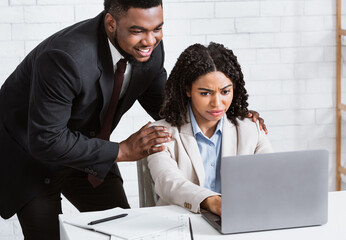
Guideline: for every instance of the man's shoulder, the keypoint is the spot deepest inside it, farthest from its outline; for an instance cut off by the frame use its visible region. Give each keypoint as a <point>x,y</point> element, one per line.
<point>79,41</point>
<point>77,37</point>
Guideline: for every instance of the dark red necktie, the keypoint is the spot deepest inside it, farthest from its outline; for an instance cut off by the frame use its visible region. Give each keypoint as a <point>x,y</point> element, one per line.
<point>106,128</point>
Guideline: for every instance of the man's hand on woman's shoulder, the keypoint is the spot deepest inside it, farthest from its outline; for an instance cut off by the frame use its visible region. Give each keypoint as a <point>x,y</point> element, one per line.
<point>255,116</point>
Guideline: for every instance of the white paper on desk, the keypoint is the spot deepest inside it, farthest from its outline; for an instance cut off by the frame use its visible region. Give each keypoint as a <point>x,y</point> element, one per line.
<point>179,233</point>
<point>134,225</point>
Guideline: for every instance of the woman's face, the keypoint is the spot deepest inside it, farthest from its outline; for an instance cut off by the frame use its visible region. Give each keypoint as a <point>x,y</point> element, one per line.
<point>211,95</point>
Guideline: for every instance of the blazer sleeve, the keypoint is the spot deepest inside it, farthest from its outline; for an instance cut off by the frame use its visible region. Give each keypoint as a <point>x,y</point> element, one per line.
<point>175,185</point>
<point>151,100</point>
<point>56,82</point>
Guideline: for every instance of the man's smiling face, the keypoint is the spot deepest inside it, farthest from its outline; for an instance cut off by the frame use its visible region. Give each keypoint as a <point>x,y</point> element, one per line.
<point>139,32</point>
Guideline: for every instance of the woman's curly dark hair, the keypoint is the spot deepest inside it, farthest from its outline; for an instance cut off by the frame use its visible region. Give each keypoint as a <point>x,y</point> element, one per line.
<point>195,61</point>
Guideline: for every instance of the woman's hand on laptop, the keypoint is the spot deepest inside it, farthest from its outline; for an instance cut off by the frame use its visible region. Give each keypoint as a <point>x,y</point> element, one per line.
<point>212,204</point>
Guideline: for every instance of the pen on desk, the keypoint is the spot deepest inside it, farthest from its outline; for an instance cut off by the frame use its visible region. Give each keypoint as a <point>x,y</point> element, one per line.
<point>191,233</point>
<point>107,219</point>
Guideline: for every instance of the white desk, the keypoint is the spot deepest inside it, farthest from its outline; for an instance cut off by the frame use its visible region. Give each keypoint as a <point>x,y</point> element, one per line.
<point>335,229</point>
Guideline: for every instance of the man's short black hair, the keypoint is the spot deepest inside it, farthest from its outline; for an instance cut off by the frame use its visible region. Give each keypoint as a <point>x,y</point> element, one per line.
<point>118,8</point>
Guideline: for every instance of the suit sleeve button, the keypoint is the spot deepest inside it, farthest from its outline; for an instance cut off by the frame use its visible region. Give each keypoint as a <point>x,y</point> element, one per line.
<point>46,181</point>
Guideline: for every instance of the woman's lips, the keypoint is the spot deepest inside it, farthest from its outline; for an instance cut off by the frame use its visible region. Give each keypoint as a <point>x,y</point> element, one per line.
<point>216,113</point>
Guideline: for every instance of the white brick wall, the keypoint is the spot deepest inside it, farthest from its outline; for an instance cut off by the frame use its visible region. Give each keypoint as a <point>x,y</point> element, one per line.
<point>236,9</point>
<point>48,14</point>
<point>286,49</point>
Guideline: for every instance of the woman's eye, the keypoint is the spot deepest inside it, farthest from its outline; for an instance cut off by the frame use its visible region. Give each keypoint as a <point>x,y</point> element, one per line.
<point>205,93</point>
<point>225,92</point>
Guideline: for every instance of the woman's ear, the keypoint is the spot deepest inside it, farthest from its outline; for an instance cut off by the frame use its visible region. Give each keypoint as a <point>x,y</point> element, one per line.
<point>188,92</point>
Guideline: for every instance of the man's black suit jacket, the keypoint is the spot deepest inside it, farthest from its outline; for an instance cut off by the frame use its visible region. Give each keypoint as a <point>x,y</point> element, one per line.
<point>52,107</point>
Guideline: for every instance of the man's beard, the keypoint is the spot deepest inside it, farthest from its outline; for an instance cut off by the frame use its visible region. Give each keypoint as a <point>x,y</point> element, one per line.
<point>128,56</point>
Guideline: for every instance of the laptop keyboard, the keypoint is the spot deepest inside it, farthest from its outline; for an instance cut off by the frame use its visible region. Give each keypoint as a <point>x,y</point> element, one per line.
<point>211,217</point>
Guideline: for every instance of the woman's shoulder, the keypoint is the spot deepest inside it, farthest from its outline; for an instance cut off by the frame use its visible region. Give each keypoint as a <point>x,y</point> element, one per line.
<point>247,123</point>
<point>161,122</point>
<point>166,124</point>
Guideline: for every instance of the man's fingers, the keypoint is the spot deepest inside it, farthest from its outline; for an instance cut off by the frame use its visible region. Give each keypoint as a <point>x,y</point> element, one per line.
<point>151,138</point>
<point>149,130</point>
<point>255,116</point>
<point>158,140</point>
<point>156,149</point>
<point>261,123</point>
<point>145,130</point>
<point>145,126</point>
<point>158,134</point>
<point>143,143</point>
<point>265,128</point>
<point>154,143</point>
<point>154,135</point>
<point>147,152</point>
<point>262,126</point>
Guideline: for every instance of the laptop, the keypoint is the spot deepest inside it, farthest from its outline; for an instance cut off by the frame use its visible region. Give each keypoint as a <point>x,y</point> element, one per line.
<point>272,191</point>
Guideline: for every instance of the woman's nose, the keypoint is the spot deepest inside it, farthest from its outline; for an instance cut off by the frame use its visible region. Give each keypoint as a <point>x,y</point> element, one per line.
<point>216,100</point>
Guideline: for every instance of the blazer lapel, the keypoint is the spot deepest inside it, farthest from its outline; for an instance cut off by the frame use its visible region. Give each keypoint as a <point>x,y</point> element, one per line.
<point>228,147</point>
<point>191,147</point>
<point>105,65</point>
<point>229,144</point>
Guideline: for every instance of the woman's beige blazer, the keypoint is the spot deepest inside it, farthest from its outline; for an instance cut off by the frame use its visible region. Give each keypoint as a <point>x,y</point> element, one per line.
<point>178,172</point>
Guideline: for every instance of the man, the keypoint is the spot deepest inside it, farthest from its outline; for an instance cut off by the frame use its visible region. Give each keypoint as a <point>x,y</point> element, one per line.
<point>56,118</point>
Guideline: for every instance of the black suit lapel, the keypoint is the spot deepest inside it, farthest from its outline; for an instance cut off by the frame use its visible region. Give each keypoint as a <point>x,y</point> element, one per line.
<point>105,65</point>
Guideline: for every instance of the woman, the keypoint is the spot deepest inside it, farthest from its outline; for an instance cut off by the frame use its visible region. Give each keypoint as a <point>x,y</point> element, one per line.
<point>204,109</point>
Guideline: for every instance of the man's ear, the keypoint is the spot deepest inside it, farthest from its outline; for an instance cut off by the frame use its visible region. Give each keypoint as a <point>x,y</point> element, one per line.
<point>110,23</point>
